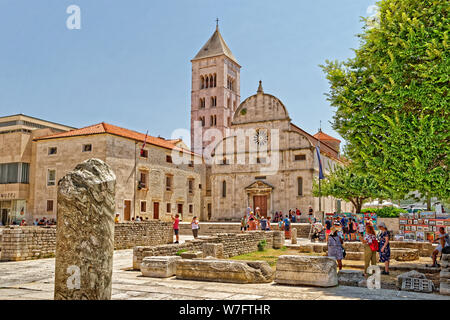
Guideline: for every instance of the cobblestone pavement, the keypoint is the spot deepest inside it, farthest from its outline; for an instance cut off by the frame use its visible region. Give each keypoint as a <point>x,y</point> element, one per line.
<point>34,280</point>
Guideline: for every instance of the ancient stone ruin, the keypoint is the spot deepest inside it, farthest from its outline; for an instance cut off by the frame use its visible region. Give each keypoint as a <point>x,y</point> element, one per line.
<point>85,233</point>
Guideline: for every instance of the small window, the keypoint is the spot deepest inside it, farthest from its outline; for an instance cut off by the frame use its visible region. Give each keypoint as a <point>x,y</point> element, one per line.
<point>168,183</point>
<point>142,180</point>
<point>191,208</point>
<point>52,150</point>
<point>200,186</point>
<point>299,157</point>
<point>169,159</point>
<point>49,205</point>
<point>224,189</point>
<point>260,160</point>
<point>143,206</point>
<point>144,153</point>
<point>191,185</point>
<point>169,209</point>
<point>224,161</point>
<point>51,177</point>
<point>87,147</point>
<point>300,186</point>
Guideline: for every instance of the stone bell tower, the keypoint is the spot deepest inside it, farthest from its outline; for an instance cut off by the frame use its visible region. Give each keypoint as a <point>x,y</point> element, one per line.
<point>215,91</point>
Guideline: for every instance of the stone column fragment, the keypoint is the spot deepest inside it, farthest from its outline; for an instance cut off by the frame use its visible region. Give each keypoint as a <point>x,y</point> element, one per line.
<point>294,236</point>
<point>85,232</point>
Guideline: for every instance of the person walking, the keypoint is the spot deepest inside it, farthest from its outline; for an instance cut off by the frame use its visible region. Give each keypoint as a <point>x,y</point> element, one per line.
<point>335,248</point>
<point>176,227</point>
<point>263,223</point>
<point>385,249</point>
<point>370,248</point>
<point>195,227</point>
<point>287,227</point>
<point>310,214</point>
<point>244,222</point>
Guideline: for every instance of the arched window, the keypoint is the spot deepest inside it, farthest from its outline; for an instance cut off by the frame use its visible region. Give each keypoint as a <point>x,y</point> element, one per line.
<point>224,189</point>
<point>202,82</point>
<point>300,186</point>
<point>215,80</point>
<point>202,119</point>
<point>229,102</point>
<point>206,81</point>
<point>211,81</point>
<point>211,121</point>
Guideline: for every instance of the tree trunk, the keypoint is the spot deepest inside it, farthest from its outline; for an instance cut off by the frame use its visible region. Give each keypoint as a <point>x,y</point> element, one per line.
<point>428,202</point>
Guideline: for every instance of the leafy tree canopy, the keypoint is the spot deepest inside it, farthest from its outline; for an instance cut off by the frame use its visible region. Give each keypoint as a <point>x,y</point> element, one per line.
<point>392,99</point>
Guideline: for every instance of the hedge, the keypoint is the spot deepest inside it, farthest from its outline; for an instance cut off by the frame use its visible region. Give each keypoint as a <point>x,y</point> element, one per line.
<point>385,212</point>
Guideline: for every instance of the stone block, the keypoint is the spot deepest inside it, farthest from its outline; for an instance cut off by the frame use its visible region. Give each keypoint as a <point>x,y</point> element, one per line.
<point>444,288</point>
<point>278,239</point>
<point>192,255</point>
<point>214,250</point>
<point>306,248</point>
<point>159,266</point>
<point>405,254</point>
<point>354,255</point>
<point>234,271</point>
<point>306,270</point>
<point>409,274</point>
<point>350,277</point>
<point>445,257</point>
<point>319,247</point>
<point>294,236</point>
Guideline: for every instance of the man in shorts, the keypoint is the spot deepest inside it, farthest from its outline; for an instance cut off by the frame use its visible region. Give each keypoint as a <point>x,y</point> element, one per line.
<point>444,246</point>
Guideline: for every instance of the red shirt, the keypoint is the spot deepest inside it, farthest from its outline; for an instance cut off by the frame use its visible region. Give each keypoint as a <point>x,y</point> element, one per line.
<point>176,223</point>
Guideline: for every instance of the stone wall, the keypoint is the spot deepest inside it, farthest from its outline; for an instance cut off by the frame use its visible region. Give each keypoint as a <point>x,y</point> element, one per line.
<point>212,228</point>
<point>25,243</point>
<point>131,234</point>
<point>234,244</point>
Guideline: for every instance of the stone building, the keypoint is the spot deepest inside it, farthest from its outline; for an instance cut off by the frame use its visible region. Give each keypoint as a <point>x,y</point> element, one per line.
<point>151,182</point>
<point>16,162</point>
<point>232,186</point>
<point>268,162</point>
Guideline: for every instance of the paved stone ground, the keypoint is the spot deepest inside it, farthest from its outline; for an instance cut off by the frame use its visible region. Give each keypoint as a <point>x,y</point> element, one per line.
<point>34,280</point>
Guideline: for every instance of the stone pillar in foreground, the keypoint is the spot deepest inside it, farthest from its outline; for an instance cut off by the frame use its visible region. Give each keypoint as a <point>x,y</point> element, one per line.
<point>294,236</point>
<point>278,239</point>
<point>85,232</point>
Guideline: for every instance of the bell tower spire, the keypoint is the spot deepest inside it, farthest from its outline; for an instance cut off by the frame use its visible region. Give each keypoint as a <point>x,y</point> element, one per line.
<point>215,91</point>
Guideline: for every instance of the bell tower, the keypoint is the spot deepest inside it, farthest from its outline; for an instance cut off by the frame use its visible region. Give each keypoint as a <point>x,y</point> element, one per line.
<point>215,91</point>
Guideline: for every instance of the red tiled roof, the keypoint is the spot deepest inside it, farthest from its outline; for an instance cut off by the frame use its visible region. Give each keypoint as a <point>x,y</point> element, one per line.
<point>323,136</point>
<point>324,147</point>
<point>118,131</point>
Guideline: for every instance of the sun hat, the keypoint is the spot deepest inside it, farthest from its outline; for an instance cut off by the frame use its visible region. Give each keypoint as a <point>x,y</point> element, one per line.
<point>382,224</point>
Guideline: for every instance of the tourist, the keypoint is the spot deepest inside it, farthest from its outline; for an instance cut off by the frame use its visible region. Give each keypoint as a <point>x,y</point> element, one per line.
<point>370,247</point>
<point>244,223</point>
<point>361,228</point>
<point>385,249</point>
<point>263,223</point>
<point>257,213</point>
<point>287,226</point>
<point>293,218</point>
<point>195,226</point>
<point>268,224</point>
<point>344,223</point>
<point>351,229</point>
<point>317,232</point>
<point>23,222</point>
<point>310,214</point>
<point>252,222</point>
<point>298,213</point>
<point>116,219</point>
<point>328,228</point>
<point>146,218</point>
<point>443,246</point>
<point>36,222</point>
<point>138,219</point>
<point>176,227</point>
<point>335,248</point>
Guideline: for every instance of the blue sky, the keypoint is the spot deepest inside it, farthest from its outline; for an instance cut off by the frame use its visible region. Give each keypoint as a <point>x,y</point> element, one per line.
<point>129,65</point>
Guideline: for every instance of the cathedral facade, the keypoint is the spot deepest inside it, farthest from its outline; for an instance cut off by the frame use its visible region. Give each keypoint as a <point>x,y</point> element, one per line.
<point>257,156</point>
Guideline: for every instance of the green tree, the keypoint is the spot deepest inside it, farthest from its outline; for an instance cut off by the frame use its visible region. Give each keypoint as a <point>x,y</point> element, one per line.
<point>392,99</point>
<point>350,184</point>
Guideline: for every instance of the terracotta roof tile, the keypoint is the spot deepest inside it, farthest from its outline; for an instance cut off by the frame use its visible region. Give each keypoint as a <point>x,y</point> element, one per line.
<point>118,131</point>
<point>323,136</point>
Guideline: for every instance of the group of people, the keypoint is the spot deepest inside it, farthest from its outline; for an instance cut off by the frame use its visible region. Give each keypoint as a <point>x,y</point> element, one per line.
<point>293,215</point>
<point>255,221</point>
<point>42,222</point>
<point>351,228</point>
<point>373,243</point>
